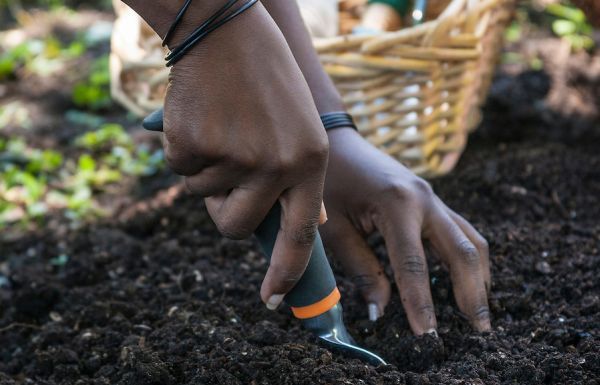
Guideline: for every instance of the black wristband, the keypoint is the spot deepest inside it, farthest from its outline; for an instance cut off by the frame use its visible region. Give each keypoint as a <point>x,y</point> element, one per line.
<point>208,26</point>
<point>338,119</point>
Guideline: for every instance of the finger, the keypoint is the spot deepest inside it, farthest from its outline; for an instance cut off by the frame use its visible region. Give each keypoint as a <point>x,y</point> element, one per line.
<point>181,158</point>
<point>479,242</point>
<point>359,263</point>
<point>214,180</point>
<point>465,268</point>
<point>239,213</point>
<point>401,232</point>
<point>300,211</point>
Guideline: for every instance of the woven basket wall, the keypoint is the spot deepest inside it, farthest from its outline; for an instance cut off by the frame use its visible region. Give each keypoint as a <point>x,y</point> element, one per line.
<point>415,93</point>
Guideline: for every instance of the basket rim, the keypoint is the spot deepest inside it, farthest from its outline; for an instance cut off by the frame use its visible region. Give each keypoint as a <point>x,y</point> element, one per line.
<point>370,44</point>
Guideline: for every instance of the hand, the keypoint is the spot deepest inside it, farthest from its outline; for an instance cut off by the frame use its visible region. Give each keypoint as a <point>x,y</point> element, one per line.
<point>241,126</point>
<point>366,190</point>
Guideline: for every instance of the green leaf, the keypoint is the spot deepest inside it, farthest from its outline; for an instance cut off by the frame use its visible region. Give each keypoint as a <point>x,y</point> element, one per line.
<point>564,27</point>
<point>94,93</point>
<point>108,134</point>
<point>7,67</point>
<point>51,160</point>
<point>75,49</point>
<point>573,14</point>
<point>513,32</point>
<point>34,187</point>
<point>80,199</point>
<point>86,163</point>
<point>536,64</point>
<point>52,49</point>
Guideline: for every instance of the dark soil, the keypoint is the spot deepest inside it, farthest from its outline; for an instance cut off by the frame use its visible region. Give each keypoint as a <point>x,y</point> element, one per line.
<point>160,298</point>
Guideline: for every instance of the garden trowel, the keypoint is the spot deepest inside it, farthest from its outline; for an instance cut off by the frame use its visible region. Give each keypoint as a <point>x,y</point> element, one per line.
<point>315,299</point>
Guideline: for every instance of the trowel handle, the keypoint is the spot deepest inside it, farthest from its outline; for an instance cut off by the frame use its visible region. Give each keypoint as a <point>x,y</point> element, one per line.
<point>316,291</point>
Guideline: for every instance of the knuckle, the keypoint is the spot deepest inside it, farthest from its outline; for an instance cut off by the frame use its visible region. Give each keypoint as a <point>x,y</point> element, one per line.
<point>481,313</point>
<point>248,163</point>
<point>415,190</point>
<point>421,187</point>
<point>285,275</point>
<point>398,191</point>
<point>468,253</point>
<point>365,281</point>
<point>304,234</point>
<point>313,158</point>
<point>191,186</point>
<point>232,229</point>
<point>281,167</point>
<point>320,151</point>
<point>196,186</point>
<point>426,309</point>
<point>413,264</point>
<point>482,245</point>
<point>178,162</point>
<point>202,149</point>
<point>188,138</point>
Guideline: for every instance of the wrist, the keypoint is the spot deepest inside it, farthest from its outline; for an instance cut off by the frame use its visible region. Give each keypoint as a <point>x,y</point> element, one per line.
<point>162,13</point>
<point>342,135</point>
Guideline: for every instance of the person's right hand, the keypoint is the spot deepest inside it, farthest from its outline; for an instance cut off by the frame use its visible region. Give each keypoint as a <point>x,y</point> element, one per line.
<point>241,125</point>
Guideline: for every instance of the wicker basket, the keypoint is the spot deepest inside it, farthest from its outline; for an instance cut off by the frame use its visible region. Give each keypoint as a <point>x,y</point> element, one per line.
<point>415,93</point>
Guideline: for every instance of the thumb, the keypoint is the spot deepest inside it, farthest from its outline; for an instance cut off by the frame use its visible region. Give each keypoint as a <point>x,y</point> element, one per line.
<point>359,263</point>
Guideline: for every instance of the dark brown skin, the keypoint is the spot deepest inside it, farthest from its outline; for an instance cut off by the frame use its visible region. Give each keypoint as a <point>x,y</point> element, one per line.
<point>246,134</point>
<point>375,192</point>
<point>363,193</point>
<point>366,190</point>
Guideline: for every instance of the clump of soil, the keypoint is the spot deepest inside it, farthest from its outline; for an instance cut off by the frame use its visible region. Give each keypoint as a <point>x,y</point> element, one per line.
<point>161,298</point>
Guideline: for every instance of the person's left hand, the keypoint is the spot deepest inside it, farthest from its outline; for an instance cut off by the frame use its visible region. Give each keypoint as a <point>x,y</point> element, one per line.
<point>366,190</point>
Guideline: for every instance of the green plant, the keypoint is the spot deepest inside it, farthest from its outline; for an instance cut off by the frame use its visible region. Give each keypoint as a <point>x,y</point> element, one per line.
<point>54,4</point>
<point>571,24</point>
<point>94,92</point>
<point>42,57</point>
<point>35,181</point>
<point>120,151</point>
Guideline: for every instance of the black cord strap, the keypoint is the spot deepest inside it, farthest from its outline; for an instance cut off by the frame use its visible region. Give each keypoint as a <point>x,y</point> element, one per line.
<point>333,120</point>
<point>176,22</point>
<point>208,26</point>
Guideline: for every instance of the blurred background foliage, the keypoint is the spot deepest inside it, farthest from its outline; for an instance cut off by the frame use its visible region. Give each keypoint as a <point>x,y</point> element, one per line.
<point>563,18</point>
<point>54,54</point>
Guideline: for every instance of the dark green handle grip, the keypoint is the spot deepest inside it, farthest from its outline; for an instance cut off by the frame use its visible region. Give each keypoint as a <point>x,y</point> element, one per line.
<point>317,282</point>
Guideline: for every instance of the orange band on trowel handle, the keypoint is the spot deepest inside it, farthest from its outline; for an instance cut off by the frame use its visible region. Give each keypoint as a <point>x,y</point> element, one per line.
<point>318,308</point>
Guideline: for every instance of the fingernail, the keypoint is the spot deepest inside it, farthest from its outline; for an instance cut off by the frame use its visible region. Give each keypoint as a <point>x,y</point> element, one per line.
<point>274,301</point>
<point>374,312</point>
<point>323,215</point>
<point>432,332</point>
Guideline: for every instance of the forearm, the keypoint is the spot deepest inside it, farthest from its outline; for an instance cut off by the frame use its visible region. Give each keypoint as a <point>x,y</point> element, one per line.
<point>287,16</point>
<point>160,14</point>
